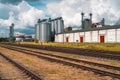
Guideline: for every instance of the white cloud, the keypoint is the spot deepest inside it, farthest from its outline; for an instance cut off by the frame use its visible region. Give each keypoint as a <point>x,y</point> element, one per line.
<point>22,15</point>
<point>30,17</point>
<point>105,9</point>
<point>71,10</point>
<point>19,33</point>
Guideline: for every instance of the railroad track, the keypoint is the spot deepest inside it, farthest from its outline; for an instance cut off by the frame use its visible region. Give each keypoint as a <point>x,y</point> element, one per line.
<point>70,59</point>
<point>88,53</point>
<point>29,73</point>
<point>70,63</point>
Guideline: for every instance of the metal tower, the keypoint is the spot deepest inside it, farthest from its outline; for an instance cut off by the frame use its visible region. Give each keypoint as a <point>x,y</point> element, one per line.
<point>11,34</point>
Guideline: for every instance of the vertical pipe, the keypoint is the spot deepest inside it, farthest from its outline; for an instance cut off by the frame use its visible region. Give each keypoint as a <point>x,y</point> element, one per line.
<point>90,18</point>
<point>103,21</point>
<point>82,14</point>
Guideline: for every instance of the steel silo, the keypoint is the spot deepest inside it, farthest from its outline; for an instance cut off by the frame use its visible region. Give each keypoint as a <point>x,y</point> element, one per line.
<point>56,25</point>
<point>38,31</point>
<point>52,30</point>
<point>53,25</point>
<point>45,31</point>
<point>60,25</point>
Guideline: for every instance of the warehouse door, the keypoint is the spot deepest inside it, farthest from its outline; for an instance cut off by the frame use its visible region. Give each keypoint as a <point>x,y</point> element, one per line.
<point>81,39</point>
<point>67,39</point>
<point>102,39</point>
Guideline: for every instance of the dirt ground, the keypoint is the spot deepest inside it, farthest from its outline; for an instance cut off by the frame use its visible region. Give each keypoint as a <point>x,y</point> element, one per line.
<point>10,72</point>
<point>50,70</point>
<point>102,61</point>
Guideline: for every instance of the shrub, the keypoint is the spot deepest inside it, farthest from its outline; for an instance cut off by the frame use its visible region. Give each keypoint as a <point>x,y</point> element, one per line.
<point>36,40</point>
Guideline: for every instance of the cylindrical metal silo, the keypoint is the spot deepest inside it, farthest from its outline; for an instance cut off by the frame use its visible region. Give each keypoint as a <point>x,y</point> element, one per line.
<point>45,31</point>
<point>38,31</point>
<point>52,25</point>
<point>47,28</point>
<point>52,30</point>
<point>56,26</point>
<point>60,25</point>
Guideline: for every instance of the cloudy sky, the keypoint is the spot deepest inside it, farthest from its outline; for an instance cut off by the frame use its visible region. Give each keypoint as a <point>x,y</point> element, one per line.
<point>24,13</point>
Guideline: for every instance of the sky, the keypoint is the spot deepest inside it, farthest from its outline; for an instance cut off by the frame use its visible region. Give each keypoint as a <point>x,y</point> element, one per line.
<point>25,13</point>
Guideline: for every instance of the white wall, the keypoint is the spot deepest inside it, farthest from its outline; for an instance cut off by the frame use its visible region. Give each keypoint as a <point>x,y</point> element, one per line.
<point>71,37</point>
<point>19,40</point>
<point>110,35</point>
<point>95,36</point>
<point>118,35</point>
<point>56,38</point>
<point>65,36</point>
<point>82,33</point>
<point>60,38</point>
<point>88,36</point>
<point>76,37</point>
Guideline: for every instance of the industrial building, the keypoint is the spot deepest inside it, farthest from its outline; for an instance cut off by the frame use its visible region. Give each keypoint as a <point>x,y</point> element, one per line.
<point>11,33</point>
<point>91,32</point>
<point>46,29</point>
<point>23,38</point>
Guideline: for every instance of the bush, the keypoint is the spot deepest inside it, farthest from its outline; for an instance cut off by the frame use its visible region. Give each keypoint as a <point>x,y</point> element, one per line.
<point>36,40</point>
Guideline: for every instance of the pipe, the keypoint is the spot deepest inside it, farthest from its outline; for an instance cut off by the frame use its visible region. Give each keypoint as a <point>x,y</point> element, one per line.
<point>82,14</point>
<point>90,17</point>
